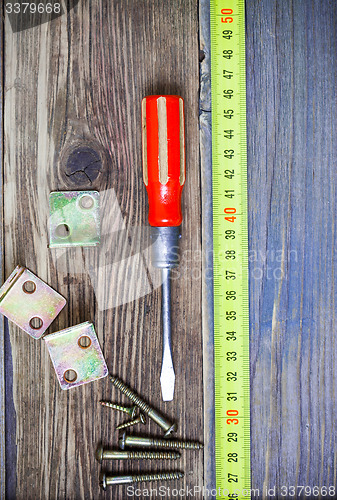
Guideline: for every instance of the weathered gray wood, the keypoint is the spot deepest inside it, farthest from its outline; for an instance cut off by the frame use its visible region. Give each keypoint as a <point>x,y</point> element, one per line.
<point>2,347</point>
<point>78,81</point>
<point>207,242</point>
<point>292,143</point>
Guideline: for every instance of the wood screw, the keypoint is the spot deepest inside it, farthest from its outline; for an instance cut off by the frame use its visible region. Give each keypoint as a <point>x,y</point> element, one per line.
<point>105,454</point>
<point>139,420</point>
<point>163,476</point>
<point>130,411</point>
<point>153,414</point>
<point>135,441</point>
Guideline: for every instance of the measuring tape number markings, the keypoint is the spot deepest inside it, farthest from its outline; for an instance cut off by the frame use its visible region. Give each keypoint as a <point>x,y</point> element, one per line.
<point>230,236</point>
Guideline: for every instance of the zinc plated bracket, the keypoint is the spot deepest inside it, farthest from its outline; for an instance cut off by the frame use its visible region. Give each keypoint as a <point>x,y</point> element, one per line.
<point>76,355</point>
<point>29,302</point>
<point>74,219</point>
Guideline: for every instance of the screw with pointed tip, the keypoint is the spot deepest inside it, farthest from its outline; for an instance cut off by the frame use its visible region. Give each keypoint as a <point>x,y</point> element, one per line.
<point>135,441</point>
<point>130,411</point>
<point>104,454</point>
<point>139,420</point>
<point>163,476</point>
<point>125,409</point>
<point>150,412</point>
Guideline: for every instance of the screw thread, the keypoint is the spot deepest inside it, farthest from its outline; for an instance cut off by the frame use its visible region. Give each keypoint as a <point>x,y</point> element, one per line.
<point>155,477</point>
<point>114,406</point>
<point>165,443</point>
<point>153,455</point>
<point>128,424</point>
<point>130,394</point>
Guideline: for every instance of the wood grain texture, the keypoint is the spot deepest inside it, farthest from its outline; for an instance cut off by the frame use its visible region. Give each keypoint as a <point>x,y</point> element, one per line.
<point>292,143</point>
<point>205,126</point>
<point>291,125</point>
<point>2,325</point>
<point>78,81</point>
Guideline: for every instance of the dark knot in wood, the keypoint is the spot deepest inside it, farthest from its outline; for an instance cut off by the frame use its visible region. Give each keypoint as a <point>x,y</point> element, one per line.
<point>83,166</point>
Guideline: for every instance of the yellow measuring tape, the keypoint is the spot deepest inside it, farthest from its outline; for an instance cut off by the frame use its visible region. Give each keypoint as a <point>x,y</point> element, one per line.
<point>230,233</point>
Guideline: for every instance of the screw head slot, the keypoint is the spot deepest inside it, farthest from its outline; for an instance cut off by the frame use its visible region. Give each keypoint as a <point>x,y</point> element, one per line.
<point>99,454</point>
<point>29,287</point>
<point>122,440</point>
<point>102,481</point>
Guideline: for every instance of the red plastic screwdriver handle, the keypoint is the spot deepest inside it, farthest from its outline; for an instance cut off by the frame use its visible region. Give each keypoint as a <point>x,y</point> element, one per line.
<point>163,157</point>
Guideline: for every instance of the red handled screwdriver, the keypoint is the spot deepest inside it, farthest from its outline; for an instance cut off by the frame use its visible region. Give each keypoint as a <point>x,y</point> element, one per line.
<point>163,139</point>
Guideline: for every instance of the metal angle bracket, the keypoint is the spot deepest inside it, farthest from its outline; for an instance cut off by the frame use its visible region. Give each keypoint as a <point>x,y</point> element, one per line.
<point>74,219</point>
<point>76,355</point>
<point>29,302</point>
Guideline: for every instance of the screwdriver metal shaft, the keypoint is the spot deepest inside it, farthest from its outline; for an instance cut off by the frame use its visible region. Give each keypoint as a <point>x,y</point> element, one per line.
<point>165,257</point>
<point>167,376</point>
<point>164,177</point>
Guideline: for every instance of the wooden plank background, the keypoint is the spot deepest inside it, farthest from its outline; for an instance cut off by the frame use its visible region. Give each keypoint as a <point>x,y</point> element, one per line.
<point>77,82</point>
<point>292,144</point>
<point>2,340</point>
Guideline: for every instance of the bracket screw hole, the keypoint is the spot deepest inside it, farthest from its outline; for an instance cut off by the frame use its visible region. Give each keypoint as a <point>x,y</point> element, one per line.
<point>84,342</point>
<point>29,287</point>
<point>86,202</point>
<point>36,323</point>
<point>70,376</point>
<point>62,231</point>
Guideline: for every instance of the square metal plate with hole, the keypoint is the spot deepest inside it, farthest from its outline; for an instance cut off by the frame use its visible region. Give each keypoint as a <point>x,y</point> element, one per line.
<point>29,302</point>
<point>74,219</point>
<point>76,355</point>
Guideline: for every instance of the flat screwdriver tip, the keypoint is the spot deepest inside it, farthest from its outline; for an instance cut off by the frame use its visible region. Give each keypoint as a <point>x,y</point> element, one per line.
<point>167,380</point>
<point>167,377</point>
